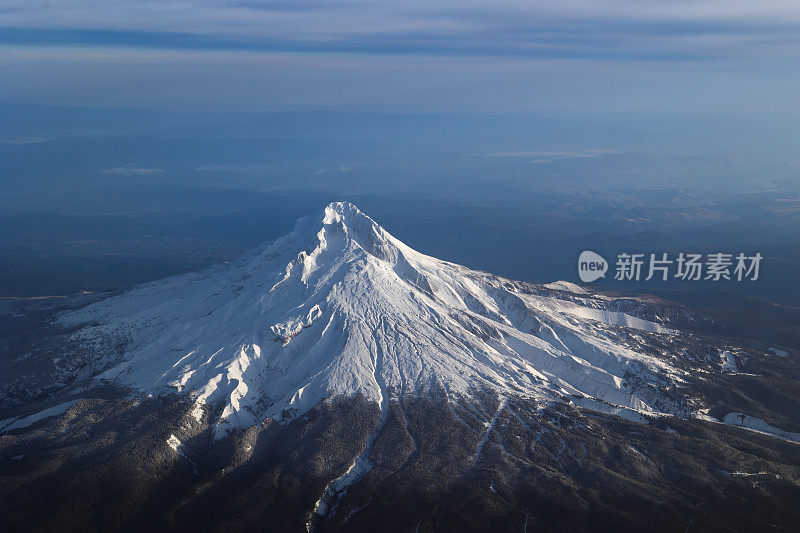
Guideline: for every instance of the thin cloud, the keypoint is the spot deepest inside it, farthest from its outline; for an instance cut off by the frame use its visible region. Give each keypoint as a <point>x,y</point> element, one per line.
<point>548,156</point>
<point>433,55</point>
<point>596,29</point>
<point>132,171</point>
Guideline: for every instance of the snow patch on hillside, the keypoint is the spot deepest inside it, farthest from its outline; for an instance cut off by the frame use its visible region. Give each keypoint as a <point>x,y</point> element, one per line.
<point>728,362</point>
<point>10,424</point>
<point>757,425</point>
<point>779,353</point>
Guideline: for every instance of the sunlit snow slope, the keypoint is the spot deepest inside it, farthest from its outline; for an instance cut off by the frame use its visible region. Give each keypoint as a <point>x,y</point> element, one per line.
<point>340,307</point>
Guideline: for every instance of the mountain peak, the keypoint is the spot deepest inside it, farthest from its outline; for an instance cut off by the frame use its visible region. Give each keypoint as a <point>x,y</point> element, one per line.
<point>341,232</point>
<point>336,212</point>
<point>362,229</point>
<point>340,307</point>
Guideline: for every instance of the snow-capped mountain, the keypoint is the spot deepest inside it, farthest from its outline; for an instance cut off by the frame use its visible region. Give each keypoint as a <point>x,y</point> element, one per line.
<point>339,307</point>
<point>336,379</point>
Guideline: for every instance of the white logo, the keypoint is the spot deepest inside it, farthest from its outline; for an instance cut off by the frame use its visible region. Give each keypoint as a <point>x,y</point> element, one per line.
<point>591,266</point>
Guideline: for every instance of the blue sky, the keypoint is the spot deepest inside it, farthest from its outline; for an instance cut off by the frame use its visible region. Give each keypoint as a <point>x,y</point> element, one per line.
<point>508,56</point>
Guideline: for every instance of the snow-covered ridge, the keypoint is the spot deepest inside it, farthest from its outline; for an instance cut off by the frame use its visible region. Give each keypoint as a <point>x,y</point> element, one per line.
<point>340,307</point>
